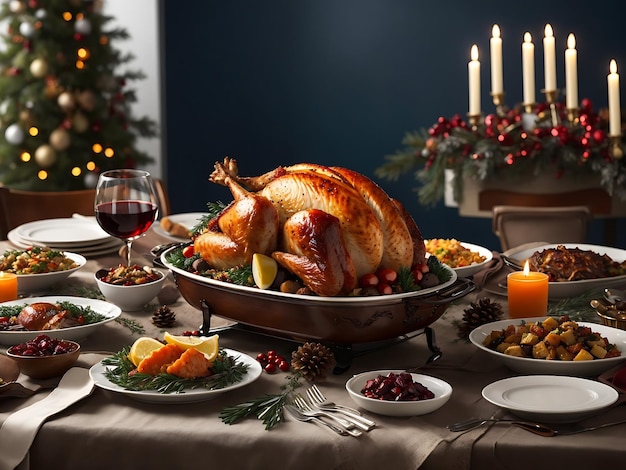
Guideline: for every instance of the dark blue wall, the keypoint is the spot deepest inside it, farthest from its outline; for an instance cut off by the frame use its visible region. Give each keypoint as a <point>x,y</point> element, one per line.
<point>340,82</point>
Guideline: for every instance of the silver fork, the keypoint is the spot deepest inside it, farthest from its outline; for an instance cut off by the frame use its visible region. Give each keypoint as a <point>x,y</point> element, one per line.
<point>297,414</point>
<point>306,409</point>
<point>319,400</point>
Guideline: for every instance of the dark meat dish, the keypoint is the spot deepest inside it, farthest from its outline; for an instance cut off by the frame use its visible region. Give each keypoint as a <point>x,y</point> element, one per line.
<point>573,264</point>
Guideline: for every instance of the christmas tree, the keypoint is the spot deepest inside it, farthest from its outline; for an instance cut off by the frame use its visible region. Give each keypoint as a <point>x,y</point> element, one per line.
<point>65,106</point>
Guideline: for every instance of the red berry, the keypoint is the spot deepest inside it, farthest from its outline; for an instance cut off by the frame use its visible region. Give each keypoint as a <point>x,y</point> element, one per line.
<point>270,368</point>
<point>278,359</point>
<point>188,251</point>
<point>384,288</point>
<point>387,275</point>
<point>369,280</point>
<point>284,366</point>
<point>262,358</point>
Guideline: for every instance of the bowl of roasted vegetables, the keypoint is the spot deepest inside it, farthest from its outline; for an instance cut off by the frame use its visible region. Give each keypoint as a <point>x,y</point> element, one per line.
<point>552,345</point>
<point>39,268</point>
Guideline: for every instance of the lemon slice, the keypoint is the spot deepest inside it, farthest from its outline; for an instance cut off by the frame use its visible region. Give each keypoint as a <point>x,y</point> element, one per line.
<point>264,270</point>
<point>142,348</point>
<point>207,345</point>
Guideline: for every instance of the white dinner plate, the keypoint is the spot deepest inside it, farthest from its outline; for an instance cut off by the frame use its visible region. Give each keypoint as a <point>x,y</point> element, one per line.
<point>74,333</point>
<point>188,220</point>
<point>548,398</point>
<point>565,289</point>
<point>67,231</point>
<point>188,396</point>
<point>103,247</point>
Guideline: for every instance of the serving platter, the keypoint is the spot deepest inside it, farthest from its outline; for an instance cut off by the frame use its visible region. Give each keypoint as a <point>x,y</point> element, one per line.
<point>549,398</point>
<point>74,333</point>
<point>525,365</point>
<point>97,374</point>
<point>334,319</point>
<point>566,289</point>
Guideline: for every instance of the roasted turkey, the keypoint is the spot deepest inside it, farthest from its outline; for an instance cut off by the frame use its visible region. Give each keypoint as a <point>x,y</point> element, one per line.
<point>327,225</point>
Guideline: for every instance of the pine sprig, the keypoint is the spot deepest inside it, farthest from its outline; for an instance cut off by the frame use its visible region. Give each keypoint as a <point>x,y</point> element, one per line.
<point>226,371</point>
<point>267,408</point>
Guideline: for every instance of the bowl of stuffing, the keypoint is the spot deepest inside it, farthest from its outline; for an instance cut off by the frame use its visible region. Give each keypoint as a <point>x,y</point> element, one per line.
<point>398,393</point>
<point>465,258</point>
<point>130,288</point>
<point>44,357</point>
<point>40,268</point>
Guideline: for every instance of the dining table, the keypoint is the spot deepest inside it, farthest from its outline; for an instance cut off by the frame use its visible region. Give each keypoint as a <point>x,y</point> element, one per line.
<point>107,429</point>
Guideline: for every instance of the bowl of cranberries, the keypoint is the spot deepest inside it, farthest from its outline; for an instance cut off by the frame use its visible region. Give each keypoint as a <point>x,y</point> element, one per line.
<point>43,357</point>
<point>398,393</point>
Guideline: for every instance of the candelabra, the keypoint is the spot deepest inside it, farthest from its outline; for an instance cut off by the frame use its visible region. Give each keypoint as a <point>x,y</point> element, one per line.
<point>551,97</point>
<point>474,120</point>
<point>616,147</point>
<point>498,101</point>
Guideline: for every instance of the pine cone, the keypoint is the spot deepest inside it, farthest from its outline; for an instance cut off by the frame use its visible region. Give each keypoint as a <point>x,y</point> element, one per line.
<point>479,313</point>
<point>164,317</point>
<point>312,360</point>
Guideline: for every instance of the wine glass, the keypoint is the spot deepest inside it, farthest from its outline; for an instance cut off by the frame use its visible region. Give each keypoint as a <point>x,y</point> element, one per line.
<point>126,204</point>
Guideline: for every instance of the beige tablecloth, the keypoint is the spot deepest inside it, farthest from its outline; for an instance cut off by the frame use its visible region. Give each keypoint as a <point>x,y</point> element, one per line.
<point>110,430</point>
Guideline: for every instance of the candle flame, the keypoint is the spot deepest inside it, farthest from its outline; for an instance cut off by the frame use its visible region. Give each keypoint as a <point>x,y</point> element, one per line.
<point>571,41</point>
<point>474,52</point>
<point>495,31</point>
<point>528,37</point>
<point>526,268</point>
<point>613,66</point>
<point>548,31</point>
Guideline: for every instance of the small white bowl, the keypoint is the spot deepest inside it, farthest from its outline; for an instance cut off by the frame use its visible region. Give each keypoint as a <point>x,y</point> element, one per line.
<point>442,391</point>
<point>131,298</point>
<point>467,271</point>
<point>32,283</point>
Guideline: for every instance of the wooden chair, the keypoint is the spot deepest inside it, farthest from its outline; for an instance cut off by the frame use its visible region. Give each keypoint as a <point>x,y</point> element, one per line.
<point>19,207</point>
<point>516,225</point>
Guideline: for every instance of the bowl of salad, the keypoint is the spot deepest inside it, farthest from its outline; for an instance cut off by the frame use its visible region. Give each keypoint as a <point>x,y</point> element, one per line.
<point>40,268</point>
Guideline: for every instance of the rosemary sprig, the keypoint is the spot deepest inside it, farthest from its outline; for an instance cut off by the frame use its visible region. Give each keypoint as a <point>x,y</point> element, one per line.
<point>133,325</point>
<point>268,408</point>
<point>226,371</point>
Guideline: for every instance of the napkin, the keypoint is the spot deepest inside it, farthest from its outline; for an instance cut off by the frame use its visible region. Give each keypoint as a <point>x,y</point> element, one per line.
<point>490,269</point>
<point>19,430</point>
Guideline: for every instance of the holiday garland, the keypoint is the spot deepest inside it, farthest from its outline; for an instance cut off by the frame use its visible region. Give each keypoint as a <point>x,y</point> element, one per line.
<point>515,145</point>
<point>65,111</point>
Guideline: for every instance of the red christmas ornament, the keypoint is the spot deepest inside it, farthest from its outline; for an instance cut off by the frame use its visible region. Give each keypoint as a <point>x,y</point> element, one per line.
<point>96,126</point>
<point>14,71</point>
<point>599,135</point>
<point>79,37</point>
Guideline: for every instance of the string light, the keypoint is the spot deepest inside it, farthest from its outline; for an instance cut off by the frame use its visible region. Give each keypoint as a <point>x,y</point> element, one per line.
<point>25,157</point>
<point>80,65</point>
<point>109,153</point>
<point>42,174</point>
<point>33,131</point>
<point>67,16</point>
<point>76,171</point>
<point>82,53</point>
<point>97,148</point>
<point>91,166</point>
<point>104,40</point>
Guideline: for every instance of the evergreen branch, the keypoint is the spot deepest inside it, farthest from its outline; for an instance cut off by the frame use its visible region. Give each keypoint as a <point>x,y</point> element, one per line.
<point>268,408</point>
<point>132,325</point>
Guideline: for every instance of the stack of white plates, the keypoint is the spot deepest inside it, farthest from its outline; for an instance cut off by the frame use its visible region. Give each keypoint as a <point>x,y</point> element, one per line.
<point>78,235</point>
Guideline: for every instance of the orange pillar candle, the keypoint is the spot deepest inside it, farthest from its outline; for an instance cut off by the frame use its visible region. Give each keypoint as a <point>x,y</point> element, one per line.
<point>527,293</point>
<point>8,286</point>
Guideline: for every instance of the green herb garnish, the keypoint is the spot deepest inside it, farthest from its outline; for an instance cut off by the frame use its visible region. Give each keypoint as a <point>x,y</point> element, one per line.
<point>268,408</point>
<point>226,371</point>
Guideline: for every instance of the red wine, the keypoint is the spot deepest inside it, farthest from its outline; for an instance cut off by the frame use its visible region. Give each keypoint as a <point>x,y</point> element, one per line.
<point>126,219</point>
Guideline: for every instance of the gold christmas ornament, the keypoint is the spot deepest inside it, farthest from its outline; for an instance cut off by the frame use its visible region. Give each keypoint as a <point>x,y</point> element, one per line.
<point>59,139</point>
<point>86,99</point>
<point>45,156</point>
<point>66,101</point>
<point>39,68</point>
<point>80,123</point>
<point>17,6</point>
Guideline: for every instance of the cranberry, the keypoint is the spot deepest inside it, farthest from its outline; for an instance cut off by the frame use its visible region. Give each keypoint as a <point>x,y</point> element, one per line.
<point>270,368</point>
<point>284,366</point>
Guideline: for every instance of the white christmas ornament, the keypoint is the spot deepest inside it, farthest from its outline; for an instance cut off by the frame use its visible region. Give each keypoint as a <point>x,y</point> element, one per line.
<point>40,14</point>
<point>16,6</point>
<point>82,26</point>
<point>39,68</point>
<point>91,179</point>
<point>14,134</point>
<point>27,29</point>
<point>66,101</point>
